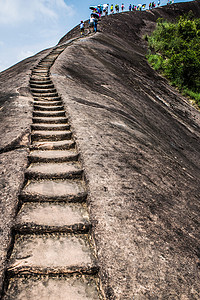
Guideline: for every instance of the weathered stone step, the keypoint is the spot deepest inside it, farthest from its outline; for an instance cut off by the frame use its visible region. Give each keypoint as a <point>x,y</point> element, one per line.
<point>46,94</point>
<point>53,145</point>
<point>48,59</point>
<point>50,254</point>
<point>41,82</point>
<point>50,135</point>
<point>48,108</point>
<point>40,70</point>
<point>45,99</point>
<point>42,86</point>
<point>48,120</point>
<point>38,77</point>
<point>57,51</point>
<point>52,217</point>
<point>53,156</point>
<point>67,170</point>
<point>48,103</point>
<point>41,90</point>
<point>54,190</point>
<point>44,75</point>
<point>71,287</point>
<point>50,127</point>
<point>60,113</point>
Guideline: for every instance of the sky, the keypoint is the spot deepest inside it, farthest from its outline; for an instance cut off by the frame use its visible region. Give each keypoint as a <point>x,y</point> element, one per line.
<point>30,26</point>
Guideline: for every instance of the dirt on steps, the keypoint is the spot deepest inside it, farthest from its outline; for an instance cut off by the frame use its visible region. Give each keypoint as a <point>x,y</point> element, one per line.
<point>139,140</point>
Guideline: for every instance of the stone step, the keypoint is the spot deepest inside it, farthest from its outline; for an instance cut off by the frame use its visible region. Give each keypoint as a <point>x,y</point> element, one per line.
<point>48,103</point>
<point>41,85</point>
<point>64,170</point>
<point>54,190</point>
<point>53,145</point>
<point>47,60</point>
<point>52,217</point>
<point>40,71</point>
<point>60,113</point>
<point>50,57</point>
<point>44,75</point>
<point>48,120</point>
<point>49,135</point>
<point>47,94</point>
<point>71,287</point>
<point>52,254</point>
<point>53,156</point>
<point>38,77</point>
<point>53,99</point>
<point>41,90</point>
<point>41,82</point>
<point>48,108</point>
<point>50,127</point>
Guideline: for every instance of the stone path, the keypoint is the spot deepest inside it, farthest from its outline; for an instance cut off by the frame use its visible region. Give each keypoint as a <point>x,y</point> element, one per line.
<point>53,254</point>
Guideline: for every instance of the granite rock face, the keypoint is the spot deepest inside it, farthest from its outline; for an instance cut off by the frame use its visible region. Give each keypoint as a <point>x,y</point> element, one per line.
<point>139,142</point>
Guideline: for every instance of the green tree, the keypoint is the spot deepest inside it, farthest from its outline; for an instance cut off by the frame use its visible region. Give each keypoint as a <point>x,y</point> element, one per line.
<point>174,50</point>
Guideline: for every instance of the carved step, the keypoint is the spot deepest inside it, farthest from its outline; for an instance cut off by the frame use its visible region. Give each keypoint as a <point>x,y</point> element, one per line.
<point>47,103</point>
<point>46,98</point>
<point>54,171</point>
<point>46,94</point>
<point>41,81</point>
<point>50,127</point>
<point>53,288</point>
<point>48,120</point>
<point>53,156</point>
<point>52,217</point>
<point>52,254</point>
<point>54,190</point>
<point>48,108</point>
<point>42,85</point>
<point>53,145</point>
<point>41,90</point>
<point>49,113</point>
<point>50,135</point>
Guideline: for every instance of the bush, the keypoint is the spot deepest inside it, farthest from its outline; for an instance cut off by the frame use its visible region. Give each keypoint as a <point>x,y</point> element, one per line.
<point>175,51</point>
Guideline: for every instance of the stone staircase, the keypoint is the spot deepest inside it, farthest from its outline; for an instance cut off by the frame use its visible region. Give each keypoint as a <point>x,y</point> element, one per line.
<point>53,253</point>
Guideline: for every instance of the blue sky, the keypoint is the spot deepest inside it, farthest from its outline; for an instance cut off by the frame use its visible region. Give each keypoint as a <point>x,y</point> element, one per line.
<point>29,26</point>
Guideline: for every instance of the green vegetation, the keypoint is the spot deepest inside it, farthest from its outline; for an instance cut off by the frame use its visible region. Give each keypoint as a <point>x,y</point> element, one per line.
<point>175,51</point>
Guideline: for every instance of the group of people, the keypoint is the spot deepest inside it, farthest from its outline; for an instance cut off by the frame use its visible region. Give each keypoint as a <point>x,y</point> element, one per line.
<point>99,10</point>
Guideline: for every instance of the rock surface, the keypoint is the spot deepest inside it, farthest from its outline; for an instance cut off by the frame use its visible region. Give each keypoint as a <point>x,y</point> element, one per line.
<point>139,141</point>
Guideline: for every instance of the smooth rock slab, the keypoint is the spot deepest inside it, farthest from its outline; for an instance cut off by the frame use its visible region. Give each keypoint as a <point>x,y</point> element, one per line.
<point>54,190</point>
<point>52,217</point>
<point>52,254</point>
<point>45,288</point>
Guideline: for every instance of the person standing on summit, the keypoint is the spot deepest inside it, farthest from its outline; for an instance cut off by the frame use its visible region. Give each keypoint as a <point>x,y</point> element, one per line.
<point>82,28</point>
<point>105,9</point>
<point>122,7</point>
<point>117,8</point>
<point>95,24</point>
<point>112,9</point>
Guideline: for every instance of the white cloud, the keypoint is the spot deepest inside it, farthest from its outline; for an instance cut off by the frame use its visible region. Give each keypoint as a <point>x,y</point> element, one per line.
<point>14,12</point>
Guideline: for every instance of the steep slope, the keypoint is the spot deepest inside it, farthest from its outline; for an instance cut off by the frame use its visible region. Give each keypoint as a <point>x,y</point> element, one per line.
<point>139,141</point>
